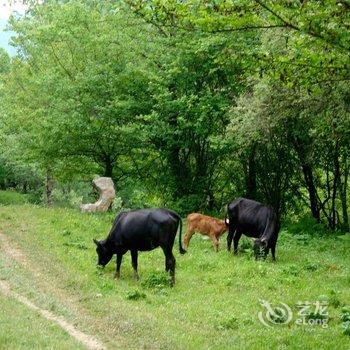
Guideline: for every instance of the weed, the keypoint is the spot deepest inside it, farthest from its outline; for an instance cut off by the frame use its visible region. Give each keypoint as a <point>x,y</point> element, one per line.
<point>157,280</point>
<point>311,266</point>
<point>345,314</point>
<point>229,323</point>
<point>66,232</point>
<point>77,245</point>
<point>346,328</point>
<point>292,270</point>
<point>278,315</point>
<point>334,299</point>
<point>245,244</point>
<point>303,239</point>
<point>135,295</point>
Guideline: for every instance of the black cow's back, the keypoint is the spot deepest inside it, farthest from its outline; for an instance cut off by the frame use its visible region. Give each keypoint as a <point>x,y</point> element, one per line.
<point>145,229</point>
<point>251,217</point>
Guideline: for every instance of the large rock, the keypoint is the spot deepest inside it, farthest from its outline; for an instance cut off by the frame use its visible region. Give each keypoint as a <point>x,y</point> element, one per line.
<point>105,186</point>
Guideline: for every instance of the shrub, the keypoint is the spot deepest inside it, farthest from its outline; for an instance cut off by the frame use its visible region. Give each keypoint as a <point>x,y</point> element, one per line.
<point>307,225</point>
<point>117,205</point>
<point>11,197</point>
<point>68,199</point>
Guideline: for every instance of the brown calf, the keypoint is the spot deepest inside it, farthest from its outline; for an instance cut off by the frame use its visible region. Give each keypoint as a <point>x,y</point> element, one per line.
<point>207,226</point>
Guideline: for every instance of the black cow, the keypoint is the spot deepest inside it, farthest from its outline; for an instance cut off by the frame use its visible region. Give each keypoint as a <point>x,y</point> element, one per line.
<point>254,220</point>
<point>141,230</point>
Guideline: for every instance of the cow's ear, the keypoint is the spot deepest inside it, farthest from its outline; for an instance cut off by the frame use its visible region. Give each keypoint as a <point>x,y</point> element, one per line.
<point>96,241</point>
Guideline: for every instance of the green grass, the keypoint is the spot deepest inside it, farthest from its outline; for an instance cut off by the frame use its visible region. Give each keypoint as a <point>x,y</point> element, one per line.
<point>213,305</point>
<point>12,197</point>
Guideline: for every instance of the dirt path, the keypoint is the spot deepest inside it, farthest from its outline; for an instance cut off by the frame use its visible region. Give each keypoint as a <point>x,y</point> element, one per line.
<point>8,248</point>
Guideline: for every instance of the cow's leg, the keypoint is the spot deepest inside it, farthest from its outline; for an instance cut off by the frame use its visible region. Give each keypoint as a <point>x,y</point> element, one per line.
<point>273,248</point>
<point>188,237</point>
<point>229,238</point>
<point>236,238</point>
<point>119,262</point>
<point>215,242</point>
<point>170,263</point>
<point>134,263</point>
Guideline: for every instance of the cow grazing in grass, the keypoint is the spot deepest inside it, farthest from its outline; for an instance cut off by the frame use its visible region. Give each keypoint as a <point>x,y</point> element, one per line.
<point>255,220</point>
<point>141,230</point>
<point>206,225</point>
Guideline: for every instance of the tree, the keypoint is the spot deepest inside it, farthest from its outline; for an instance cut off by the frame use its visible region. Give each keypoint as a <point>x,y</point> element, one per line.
<point>190,115</point>
<point>315,33</point>
<point>4,61</point>
<point>77,87</point>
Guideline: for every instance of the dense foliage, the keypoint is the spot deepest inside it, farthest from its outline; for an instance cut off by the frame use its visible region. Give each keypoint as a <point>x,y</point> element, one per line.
<point>185,104</point>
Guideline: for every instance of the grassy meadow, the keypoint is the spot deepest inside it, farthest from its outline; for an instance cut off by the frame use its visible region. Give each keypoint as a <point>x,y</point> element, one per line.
<point>213,305</point>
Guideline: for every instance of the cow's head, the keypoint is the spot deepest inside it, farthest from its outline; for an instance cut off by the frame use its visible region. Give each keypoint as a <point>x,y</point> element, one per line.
<point>104,254</point>
<point>260,248</point>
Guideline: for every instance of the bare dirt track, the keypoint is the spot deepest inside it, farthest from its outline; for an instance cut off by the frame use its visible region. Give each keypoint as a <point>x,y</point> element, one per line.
<point>14,253</point>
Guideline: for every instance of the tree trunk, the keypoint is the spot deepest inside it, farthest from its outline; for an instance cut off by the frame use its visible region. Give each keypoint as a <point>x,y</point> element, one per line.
<point>49,187</point>
<point>309,181</point>
<point>179,173</point>
<point>25,187</point>
<point>108,167</point>
<point>210,201</point>
<point>335,186</point>
<point>343,197</point>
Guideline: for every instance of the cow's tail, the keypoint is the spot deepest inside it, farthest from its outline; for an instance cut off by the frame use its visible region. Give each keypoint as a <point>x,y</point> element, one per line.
<point>182,251</point>
<point>264,236</point>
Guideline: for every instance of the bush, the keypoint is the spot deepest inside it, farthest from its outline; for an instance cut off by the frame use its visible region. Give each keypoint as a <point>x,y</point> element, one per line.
<point>73,194</point>
<point>306,225</point>
<point>11,197</point>
<point>70,199</point>
<point>117,205</point>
